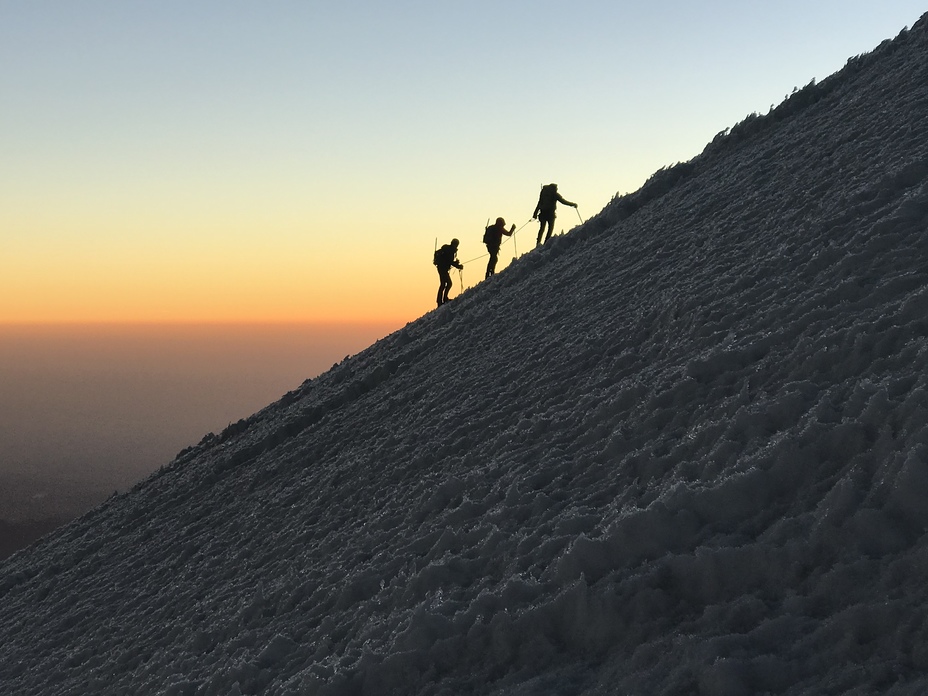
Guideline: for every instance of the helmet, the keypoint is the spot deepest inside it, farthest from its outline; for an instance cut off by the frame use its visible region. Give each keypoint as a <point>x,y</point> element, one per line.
<point>454,242</point>
<point>500,222</point>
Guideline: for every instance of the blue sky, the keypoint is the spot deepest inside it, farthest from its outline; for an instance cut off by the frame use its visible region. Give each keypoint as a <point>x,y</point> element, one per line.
<point>202,161</point>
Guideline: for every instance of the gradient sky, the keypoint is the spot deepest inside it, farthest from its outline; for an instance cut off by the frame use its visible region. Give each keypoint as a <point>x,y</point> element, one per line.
<point>224,160</point>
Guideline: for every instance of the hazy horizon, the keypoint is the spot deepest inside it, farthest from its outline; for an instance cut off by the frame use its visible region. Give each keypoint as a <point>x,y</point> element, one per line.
<point>86,409</point>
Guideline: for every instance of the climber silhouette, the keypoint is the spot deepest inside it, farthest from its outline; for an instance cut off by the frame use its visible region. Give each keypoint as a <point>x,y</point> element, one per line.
<point>544,211</point>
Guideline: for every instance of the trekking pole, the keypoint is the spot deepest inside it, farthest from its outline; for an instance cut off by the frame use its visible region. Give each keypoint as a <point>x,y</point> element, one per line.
<point>461,279</point>
<point>578,214</point>
<point>515,247</point>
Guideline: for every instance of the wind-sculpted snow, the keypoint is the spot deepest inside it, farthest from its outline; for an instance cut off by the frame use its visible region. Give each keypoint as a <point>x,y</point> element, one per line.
<point>680,450</point>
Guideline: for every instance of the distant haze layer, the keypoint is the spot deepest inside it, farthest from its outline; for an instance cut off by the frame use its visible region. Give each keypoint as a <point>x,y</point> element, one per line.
<point>88,409</point>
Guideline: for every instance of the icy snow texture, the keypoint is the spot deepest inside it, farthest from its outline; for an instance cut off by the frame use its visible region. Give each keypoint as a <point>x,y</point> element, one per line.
<point>680,450</point>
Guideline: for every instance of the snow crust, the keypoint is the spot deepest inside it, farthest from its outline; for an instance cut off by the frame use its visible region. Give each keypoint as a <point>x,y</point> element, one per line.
<point>682,449</point>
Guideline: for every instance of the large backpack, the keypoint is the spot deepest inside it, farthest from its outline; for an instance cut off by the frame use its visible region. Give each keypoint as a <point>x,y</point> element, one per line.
<point>444,255</point>
<point>547,199</point>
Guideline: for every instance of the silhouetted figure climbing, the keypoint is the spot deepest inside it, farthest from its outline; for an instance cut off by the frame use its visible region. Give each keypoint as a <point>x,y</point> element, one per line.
<point>446,256</point>
<point>493,238</point>
<point>544,211</point>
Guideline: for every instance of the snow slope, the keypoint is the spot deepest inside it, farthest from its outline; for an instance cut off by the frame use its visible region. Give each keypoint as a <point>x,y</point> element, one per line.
<point>683,449</point>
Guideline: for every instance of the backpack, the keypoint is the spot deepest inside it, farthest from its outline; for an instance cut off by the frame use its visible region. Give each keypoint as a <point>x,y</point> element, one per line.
<point>548,197</point>
<point>444,255</point>
<point>488,236</point>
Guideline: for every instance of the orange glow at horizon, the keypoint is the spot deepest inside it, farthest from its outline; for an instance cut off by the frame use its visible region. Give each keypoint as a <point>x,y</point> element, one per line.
<point>236,276</point>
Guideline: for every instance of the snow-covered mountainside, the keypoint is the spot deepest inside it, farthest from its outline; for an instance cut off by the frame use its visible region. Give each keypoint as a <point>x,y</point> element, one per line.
<point>682,449</point>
